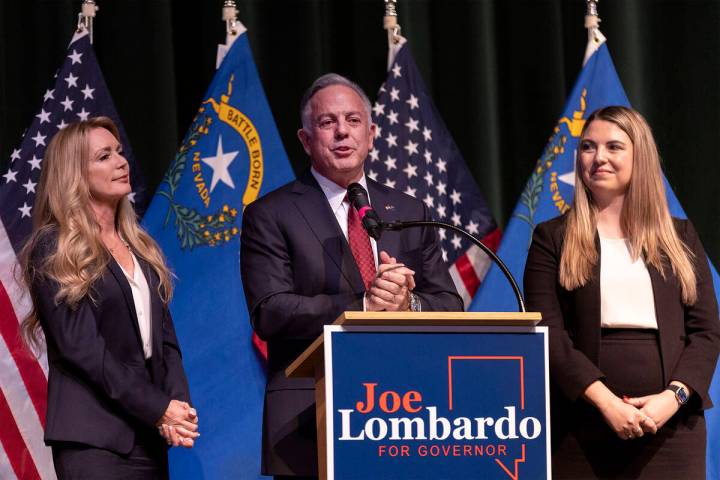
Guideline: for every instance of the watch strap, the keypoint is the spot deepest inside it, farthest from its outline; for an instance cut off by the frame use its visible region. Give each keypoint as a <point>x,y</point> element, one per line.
<point>680,393</point>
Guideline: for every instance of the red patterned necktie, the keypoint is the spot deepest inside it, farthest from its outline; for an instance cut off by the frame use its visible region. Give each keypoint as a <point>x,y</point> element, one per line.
<point>360,245</point>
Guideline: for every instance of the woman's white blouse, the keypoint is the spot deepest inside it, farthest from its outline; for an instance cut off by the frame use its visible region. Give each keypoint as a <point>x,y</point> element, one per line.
<point>626,296</point>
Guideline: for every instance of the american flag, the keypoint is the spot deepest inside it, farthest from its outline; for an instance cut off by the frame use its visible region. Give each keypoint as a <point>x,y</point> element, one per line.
<point>79,93</point>
<point>414,153</point>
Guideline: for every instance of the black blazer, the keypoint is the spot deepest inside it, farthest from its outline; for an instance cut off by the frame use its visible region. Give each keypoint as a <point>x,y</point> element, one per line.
<point>100,391</point>
<point>299,274</point>
<point>689,336</point>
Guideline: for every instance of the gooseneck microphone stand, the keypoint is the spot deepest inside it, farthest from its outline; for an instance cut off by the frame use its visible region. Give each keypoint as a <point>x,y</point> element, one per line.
<point>398,225</point>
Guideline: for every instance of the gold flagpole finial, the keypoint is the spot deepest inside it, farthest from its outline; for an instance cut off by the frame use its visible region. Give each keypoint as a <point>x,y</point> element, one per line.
<point>86,17</point>
<point>229,16</point>
<point>390,22</point>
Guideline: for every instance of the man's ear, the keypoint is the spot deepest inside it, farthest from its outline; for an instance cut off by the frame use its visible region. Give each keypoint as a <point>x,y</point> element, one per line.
<point>373,133</point>
<point>304,139</point>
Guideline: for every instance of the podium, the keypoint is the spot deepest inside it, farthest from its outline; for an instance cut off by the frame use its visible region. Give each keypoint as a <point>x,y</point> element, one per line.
<point>430,395</point>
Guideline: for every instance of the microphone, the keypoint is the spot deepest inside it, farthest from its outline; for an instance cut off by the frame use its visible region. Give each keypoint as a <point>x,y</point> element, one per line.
<point>358,198</point>
<point>371,222</point>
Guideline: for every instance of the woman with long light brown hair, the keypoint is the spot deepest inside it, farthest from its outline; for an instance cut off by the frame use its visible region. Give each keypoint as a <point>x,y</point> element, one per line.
<point>117,391</point>
<point>627,294</point>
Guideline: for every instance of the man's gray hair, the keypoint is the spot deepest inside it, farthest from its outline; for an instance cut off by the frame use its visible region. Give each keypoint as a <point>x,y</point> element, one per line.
<point>328,80</point>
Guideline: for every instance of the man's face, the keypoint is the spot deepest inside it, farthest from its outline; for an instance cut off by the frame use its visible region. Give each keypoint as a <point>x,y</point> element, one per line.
<point>340,134</point>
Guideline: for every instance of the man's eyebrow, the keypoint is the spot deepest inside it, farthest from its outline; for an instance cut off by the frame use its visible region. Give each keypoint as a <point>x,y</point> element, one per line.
<point>349,112</point>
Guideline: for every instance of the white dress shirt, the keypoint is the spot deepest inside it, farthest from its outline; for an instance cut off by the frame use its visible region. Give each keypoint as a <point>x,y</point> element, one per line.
<point>141,297</point>
<point>335,195</point>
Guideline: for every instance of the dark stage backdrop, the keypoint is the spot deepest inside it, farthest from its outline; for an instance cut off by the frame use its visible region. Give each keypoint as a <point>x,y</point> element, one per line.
<point>498,70</point>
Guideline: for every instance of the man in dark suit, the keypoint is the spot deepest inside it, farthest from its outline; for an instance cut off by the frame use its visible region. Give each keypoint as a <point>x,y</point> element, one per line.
<point>305,259</point>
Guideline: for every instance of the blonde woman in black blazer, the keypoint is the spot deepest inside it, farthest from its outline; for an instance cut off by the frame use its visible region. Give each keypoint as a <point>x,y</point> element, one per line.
<point>627,397</point>
<point>117,392</point>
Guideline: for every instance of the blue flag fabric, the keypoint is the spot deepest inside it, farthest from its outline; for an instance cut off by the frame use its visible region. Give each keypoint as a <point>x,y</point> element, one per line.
<point>231,155</point>
<point>415,153</point>
<point>549,192</point>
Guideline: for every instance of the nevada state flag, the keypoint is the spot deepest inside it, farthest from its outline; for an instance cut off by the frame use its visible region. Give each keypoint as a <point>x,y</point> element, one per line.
<point>231,155</point>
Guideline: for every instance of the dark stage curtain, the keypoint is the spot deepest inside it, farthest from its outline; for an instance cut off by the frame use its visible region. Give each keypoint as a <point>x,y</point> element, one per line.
<point>499,71</point>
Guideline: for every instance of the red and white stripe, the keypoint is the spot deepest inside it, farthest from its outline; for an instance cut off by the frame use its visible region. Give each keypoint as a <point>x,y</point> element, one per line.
<point>470,268</point>
<point>23,383</point>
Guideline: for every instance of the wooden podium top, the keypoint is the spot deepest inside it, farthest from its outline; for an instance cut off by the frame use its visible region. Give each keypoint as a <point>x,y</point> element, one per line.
<point>304,365</point>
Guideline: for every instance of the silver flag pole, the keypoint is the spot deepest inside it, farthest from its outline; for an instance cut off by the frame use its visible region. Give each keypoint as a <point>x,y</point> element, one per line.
<point>592,20</point>
<point>390,22</point>
<point>86,17</point>
<point>229,16</point>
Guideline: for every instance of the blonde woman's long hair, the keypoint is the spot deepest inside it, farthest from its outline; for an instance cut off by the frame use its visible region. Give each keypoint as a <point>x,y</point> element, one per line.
<point>645,218</point>
<point>63,213</point>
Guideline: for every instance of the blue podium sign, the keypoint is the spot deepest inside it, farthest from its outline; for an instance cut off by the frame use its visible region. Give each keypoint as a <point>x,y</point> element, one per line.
<point>436,402</point>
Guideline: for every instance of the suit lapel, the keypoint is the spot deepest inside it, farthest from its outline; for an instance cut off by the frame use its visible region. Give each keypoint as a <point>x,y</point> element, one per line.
<point>127,294</point>
<point>380,202</point>
<point>587,309</point>
<point>663,290</point>
<point>314,207</point>
<point>156,317</point>
<point>156,307</point>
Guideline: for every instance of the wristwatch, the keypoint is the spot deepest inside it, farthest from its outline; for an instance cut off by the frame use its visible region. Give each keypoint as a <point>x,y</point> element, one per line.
<point>415,303</point>
<point>681,394</point>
